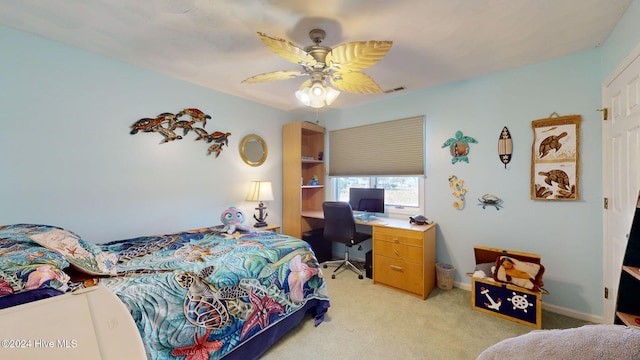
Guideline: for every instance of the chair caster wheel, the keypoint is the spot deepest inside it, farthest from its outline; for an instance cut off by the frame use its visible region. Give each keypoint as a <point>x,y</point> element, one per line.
<point>333,276</point>
<point>360,277</point>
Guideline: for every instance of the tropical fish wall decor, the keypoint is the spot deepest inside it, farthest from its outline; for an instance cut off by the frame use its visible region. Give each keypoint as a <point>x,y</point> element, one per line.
<point>505,146</point>
<point>459,147</point>
<point>167,124</point>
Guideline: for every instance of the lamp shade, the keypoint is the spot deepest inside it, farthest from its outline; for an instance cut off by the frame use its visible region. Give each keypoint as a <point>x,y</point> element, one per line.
<point>317,94</point>
<point>260,191</point>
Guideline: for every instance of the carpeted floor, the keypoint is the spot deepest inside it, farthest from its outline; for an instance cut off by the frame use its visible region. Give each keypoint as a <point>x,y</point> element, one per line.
<point>374,322</point>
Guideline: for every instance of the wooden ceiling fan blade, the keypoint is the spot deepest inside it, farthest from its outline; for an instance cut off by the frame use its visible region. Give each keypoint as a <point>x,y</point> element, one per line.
<point>274,76</point>
<point>287,50</point>
<point>355,82</point>
<point>357,55</point>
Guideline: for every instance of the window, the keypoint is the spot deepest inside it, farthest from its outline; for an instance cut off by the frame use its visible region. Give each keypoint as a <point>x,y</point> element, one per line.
<point>398,146</point>
<point>402,195</point>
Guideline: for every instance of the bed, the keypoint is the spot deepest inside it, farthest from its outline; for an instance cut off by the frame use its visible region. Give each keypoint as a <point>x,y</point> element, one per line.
<point>588,342</point>
<point>194,294</point>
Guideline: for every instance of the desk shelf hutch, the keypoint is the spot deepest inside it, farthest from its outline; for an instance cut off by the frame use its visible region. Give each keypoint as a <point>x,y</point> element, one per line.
<point>403,253</point>
<point>302,146</point>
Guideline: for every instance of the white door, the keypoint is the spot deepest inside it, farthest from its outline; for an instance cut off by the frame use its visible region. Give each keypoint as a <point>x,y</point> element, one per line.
<point>621,168</point>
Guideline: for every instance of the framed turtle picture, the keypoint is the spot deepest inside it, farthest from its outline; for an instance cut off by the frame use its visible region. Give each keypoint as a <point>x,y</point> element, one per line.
<point>555,163</point>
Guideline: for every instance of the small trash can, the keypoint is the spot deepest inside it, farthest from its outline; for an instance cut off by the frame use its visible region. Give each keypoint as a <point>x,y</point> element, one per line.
<point>444,276</point>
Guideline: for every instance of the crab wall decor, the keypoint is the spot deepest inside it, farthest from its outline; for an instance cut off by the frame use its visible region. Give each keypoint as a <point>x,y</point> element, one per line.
<point>490,200</point>
<point>555,158</point>
<point>167,124</point>
<point>459,147</point>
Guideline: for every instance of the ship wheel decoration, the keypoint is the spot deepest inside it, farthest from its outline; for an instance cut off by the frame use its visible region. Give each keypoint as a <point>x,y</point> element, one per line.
<point>459,147</point>
<point>520,302</point>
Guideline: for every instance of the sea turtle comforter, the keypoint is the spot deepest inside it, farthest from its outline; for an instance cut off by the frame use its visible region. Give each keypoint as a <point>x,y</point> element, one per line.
<point>198,294</point>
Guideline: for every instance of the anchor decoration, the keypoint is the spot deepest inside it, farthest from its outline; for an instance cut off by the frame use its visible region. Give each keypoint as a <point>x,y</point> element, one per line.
<point>495,305</point>
<point>520,302</point>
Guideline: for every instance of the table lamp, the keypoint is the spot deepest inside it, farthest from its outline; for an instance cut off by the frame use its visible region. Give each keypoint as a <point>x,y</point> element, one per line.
<point>260,191</point>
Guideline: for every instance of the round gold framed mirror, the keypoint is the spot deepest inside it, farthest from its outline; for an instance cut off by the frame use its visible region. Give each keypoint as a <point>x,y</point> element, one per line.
<point>253,150</point>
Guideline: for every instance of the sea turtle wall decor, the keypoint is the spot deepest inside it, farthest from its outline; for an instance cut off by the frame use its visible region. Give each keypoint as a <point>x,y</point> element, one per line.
<point>459,147</point>
<point>166,124</point>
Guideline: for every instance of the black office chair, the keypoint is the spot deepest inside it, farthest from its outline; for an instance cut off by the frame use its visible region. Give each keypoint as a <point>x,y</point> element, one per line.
<point>339,226</point>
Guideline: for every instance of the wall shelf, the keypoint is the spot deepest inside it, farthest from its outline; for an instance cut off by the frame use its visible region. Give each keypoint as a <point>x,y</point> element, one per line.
<point>628,319</point>
<point>633,271</point>
<point>628,301</point>
<point>302,144</point>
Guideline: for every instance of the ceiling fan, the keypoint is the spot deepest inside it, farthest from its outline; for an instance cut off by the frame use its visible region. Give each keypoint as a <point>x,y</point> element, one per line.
<point>340,65</point>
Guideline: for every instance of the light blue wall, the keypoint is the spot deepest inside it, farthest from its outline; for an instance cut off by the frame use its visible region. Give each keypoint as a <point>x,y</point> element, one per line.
<point>67,158</point>
<point>568,235</point>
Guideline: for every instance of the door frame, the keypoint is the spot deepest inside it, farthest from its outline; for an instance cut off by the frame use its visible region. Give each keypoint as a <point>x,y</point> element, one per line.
<point>610,271</point>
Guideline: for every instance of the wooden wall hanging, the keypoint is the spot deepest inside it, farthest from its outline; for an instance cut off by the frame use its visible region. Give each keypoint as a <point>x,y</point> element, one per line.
<point>555,158</point>
<point>505,146</point>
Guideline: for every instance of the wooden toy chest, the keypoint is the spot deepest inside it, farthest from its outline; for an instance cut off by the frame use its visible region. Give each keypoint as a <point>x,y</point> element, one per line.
<point>506,300</point>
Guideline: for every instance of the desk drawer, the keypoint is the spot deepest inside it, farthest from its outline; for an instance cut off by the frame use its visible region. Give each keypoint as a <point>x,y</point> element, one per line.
<point>398,251</point>
<point>401,236</point>
<point>399,274</point>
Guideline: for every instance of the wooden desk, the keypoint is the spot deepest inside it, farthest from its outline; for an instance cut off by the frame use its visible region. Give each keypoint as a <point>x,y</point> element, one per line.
<point>404,254</point>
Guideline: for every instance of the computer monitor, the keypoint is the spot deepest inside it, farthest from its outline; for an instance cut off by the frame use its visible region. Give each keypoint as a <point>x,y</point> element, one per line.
<point>367,199</point>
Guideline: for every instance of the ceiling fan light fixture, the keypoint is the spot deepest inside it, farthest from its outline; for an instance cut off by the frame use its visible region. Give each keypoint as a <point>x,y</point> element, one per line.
<point>317,95</point>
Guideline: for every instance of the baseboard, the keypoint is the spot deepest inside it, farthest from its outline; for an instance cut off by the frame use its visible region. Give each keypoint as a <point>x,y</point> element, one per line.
<point>552,308</point>
<point>572,313</point>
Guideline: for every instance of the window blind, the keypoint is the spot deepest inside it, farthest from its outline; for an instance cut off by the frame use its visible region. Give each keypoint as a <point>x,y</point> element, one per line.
<point>388,148</point>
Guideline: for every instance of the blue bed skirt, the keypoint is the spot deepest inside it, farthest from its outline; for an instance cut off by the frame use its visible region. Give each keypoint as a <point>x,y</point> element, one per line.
<point>27,296</point>
<point>255,347</point>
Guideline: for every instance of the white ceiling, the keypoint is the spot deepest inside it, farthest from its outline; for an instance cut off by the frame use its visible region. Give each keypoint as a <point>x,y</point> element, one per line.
<point>213,43</point>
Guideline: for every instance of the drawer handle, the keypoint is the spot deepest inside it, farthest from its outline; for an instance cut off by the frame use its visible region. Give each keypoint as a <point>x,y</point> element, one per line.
<point>394,267</point>
<point>396,252</point>
<point>395,240</point>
